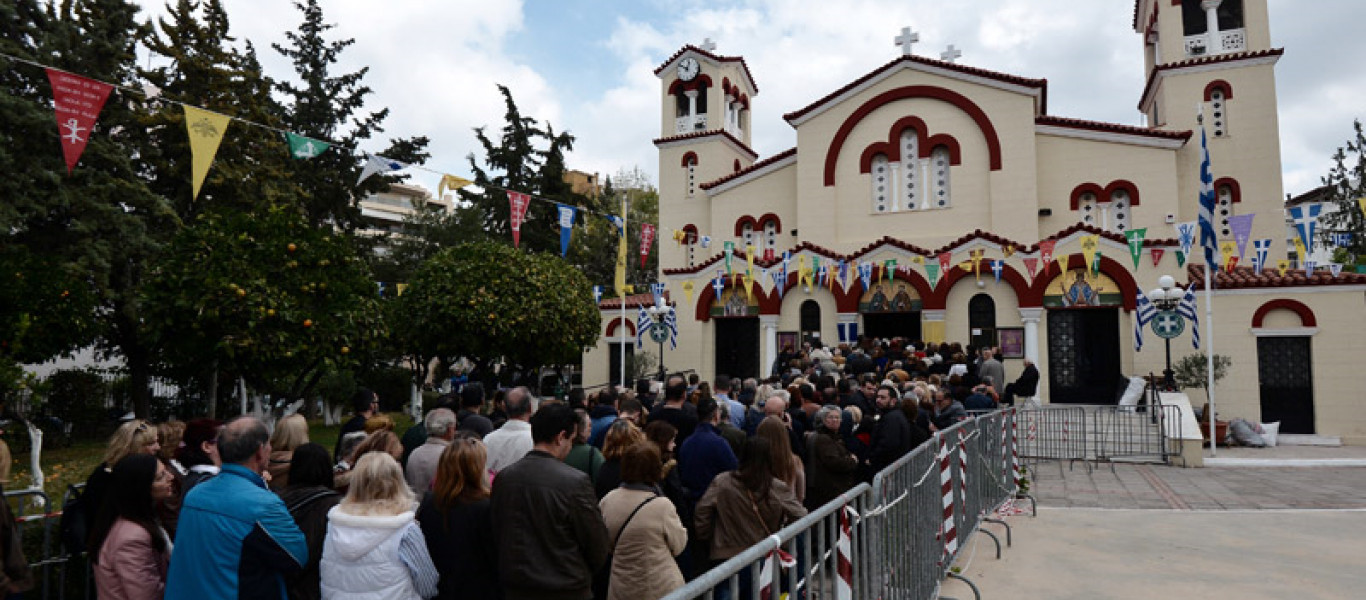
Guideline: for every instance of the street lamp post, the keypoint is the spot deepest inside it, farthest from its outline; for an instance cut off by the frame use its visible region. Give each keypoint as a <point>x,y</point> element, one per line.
<point>659,331</point>
<point>1167,324</point>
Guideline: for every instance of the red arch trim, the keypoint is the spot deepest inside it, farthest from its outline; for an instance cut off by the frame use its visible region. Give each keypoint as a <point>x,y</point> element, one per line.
<point>945,140</point>
<point>1233,187</point>
<point>689,156</point>
<point>679,85</point>
<point>777,221</point>
<point>908,92</point>
<point>1128,288</point>
<point>846,300</point>
<point>614,323</point>
<point>1079,191</point>
<point>1219,84</point>
<point>865,161</point>
<point>1306,315</point>
<point>690,231</point>
<point>1122,184</point>
<point>740,223</point>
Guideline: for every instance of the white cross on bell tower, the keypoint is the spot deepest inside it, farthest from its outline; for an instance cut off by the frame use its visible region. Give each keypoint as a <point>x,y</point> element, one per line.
<point>708,45</point>
<point>906,39</point>
<point>950,54</point>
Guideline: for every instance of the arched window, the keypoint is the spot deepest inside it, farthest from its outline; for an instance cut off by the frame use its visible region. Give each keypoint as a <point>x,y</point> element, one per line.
<point>910,169</point>
<point>1089,209</point>
<point>882,185</point>
<point>982,321</point>
<point>747,234</point>
<point>1218,104</point>
<point>811,320</point>
<point>770,239</point>
<point>690,243</point>
<point>1225,195</point>
<point>1118,213</point>
<point>939,173</point>
<point>690,163</point>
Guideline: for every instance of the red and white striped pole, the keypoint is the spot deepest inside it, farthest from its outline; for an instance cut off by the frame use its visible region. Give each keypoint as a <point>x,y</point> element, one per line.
<point>1015,447</point>
<point>950,534</point>
<point>844,583</point>
<point>963,470</point>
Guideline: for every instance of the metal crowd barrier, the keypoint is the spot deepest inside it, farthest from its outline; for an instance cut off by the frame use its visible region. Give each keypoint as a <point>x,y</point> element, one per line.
<point>53,566</point>
<point>904,532</point>
<point>1054,433</point>
<point>1129,432</point>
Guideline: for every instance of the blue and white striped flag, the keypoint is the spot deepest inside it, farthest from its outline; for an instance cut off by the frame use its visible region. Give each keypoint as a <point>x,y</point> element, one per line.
<point>1187,309</point>
<point>1306,220</point>
<point>597,294</point>
<point>643,324</point>
<point>1260,250</point>
<point>657,290</point>
<point>671,321</point>
<point>1207,201</point>
<point>1142,316</point>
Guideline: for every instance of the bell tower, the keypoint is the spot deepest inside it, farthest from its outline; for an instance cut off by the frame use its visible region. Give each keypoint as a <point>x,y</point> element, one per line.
<point>1214,59</point>
<point>704,134</point>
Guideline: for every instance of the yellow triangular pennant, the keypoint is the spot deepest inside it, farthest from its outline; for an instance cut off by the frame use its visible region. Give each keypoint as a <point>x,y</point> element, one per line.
<point>450,182</point>
<point>206,130</point>
<point>687,291</point>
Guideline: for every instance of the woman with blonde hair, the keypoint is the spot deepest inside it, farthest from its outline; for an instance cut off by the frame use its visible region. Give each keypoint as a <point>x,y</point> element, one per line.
<point>134,437</point>
<point>379,441</point>
<point>455,520</point>
<point>290,433</point>
<point>379,422</point>
<point>374,546</point>
<point>787,466</point>
<point>620,435</point>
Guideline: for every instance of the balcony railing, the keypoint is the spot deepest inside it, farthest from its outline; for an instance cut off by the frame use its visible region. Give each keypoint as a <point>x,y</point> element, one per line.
<point>1233,40</point>
<point>690,124</point>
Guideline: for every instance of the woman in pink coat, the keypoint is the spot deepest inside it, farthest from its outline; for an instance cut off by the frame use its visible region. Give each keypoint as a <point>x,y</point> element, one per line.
<point>134,549</point>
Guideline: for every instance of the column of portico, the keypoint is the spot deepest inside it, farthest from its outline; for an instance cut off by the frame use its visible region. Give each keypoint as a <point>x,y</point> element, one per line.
<point>1031,317</point>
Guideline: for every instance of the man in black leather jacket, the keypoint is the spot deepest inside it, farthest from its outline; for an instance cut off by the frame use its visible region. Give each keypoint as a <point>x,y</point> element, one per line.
<point>548,530</point>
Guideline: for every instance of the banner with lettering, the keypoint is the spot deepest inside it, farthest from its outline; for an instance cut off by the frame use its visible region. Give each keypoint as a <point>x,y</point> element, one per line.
<point>77,102</point>
<point>647,237</point>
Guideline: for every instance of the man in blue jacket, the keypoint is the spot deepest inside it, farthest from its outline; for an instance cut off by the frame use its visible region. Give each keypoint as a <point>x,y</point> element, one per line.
<point>235,538</point>
<point>705,454</point>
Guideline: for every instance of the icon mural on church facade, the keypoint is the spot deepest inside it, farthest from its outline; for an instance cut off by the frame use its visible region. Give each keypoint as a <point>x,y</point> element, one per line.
<point>734,303</point>
<point>889,296</point>
<point>1078,289</point>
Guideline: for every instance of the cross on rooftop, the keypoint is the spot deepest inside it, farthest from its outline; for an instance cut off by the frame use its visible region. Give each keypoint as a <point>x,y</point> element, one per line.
<point>708,45</point>
<point>950,54</point>
<point>905,40</point>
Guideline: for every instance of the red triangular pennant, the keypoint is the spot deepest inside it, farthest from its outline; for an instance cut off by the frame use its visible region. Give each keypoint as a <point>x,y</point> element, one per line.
<point>1032,265</point>
<point>944,258</point>
<point>518,203</point>
<point>1157,255</point>
<point>1232,262</point>
<point>77,102</point>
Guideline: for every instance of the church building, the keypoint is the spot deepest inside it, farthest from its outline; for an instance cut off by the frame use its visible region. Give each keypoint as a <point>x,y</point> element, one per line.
<point>935,201</point>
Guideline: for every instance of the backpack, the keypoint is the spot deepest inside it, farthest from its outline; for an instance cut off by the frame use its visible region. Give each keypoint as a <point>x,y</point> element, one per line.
<point>73,526</point>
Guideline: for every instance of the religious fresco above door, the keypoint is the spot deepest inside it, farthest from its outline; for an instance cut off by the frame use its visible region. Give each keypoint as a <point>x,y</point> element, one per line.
<point>734,303</point>
<point>1079,289</point>
<point>889,297</point>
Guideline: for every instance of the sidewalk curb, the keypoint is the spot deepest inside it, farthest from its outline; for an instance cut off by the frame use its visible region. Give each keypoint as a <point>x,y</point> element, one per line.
<point>1285,462</point>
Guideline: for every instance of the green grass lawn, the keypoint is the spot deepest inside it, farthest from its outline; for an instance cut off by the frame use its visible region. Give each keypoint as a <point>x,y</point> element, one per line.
<point>63,467</point>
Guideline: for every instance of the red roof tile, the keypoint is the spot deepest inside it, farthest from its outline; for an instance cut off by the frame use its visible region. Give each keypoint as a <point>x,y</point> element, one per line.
<point>1201,60</point>
<point>1245,278</point>
<point>1112,127</point>
<point>715,57</point>
<point>632,301</point>
<point>752,168</point>
<point>1014,79</point>
<point>708,133</point>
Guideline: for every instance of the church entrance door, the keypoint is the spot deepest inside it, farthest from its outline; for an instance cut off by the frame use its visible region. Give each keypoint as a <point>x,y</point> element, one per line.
<point>1286,379</point>
<point>737,346</point>
<point>892,324</point>
<point>1083,355</point>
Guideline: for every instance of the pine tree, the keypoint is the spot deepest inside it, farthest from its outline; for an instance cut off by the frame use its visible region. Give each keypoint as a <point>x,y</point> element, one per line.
<point>1345,184</point>
<point>328,106</point>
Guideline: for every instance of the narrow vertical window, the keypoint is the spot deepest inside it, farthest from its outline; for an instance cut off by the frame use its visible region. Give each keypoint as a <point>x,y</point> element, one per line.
<point>1117,214</point>
<point>910,169</point>
<point>770,239</point>
<point>881,184</point>
<point>747,234</point>
<point>1225,196</point>
<point>1089,211</point>
<point>939,171</point>
<point>692,177</point>
<point>1218,104</point>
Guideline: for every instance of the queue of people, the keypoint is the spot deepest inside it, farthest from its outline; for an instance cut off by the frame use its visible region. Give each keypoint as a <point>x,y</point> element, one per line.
<point>617,494</point>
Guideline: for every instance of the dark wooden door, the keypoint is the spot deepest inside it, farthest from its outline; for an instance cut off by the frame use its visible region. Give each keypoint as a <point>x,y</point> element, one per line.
<point>737,346</point>
<point>1083,355</point>
<point>892,324</point>
<point>1286,378</point>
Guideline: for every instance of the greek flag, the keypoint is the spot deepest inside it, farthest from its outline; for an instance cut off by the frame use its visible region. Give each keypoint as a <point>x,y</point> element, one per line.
<point>1207,239</point>
<point>643,324</point>
<point>1187,309</point>
<point>671,321</point>
<point>1306,219</point>
<point>1260,250</point>
<point>657,290</point>
<point>1145,313</point>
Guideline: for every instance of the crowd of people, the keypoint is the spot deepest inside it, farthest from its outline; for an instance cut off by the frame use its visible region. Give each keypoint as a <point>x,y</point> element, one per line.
<point>623,493</point>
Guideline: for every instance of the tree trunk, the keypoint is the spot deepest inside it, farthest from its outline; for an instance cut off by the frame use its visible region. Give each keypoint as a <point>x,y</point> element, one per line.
<point>139,378</point>
<point>213,390</point>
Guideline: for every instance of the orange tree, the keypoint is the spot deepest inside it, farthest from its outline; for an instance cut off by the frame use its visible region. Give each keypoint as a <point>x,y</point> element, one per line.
<point>265,296</point>
<point>491,303</point>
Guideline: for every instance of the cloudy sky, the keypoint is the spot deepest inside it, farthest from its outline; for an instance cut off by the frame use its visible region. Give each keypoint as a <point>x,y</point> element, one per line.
<point>586,66</point>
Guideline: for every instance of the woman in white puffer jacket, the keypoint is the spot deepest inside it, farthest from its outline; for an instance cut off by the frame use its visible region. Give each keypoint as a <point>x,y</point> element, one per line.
<point>374,546</point>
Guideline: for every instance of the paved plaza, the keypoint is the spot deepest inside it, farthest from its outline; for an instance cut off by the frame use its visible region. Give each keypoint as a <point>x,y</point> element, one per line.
<point>1153,531</point>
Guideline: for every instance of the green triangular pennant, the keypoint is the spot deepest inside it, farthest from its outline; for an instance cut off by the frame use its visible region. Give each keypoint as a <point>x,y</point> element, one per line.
<point>1135,239</point>
<point>933,271</point>
<point>304,147</point>
<point>1180,258</point>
